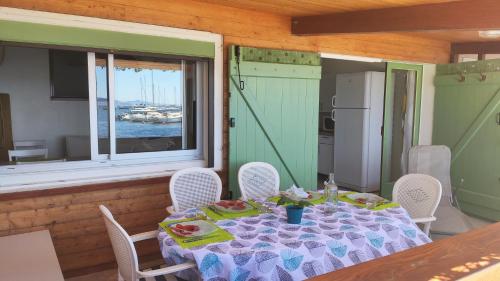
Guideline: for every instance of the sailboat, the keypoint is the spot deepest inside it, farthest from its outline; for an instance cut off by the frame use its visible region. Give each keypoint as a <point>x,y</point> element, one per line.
<point>151,113</point>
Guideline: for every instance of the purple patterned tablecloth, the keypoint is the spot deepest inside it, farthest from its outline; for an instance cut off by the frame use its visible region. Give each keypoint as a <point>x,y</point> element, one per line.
<point>267,248</point>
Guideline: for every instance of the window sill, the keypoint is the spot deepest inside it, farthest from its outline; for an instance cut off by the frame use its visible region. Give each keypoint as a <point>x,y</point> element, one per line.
<point>86,173</point>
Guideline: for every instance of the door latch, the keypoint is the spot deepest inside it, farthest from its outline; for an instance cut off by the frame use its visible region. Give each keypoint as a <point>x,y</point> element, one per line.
<point>232,122</point>
<point>498,118</point>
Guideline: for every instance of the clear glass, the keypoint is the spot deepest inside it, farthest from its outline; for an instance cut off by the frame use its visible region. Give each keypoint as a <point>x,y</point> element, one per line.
<point>331,196</point>
<point>101,77</point>
<point>46,128</point>
<point>155,104</point>
<point>404,83</point>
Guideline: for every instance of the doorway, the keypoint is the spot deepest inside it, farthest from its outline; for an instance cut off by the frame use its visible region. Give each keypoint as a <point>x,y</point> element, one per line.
<point>351,116</point>
<point>369,119</point>
<point>401,121</point>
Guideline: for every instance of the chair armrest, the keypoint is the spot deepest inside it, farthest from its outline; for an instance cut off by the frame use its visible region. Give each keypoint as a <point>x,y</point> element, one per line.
<point>424,220</point>
<point>144,236</point>
<point>166,270</point>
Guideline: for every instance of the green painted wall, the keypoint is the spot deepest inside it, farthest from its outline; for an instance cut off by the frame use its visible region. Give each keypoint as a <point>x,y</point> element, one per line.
<point>466,120</point>
<point>285,99</point>
<point>23,32</point>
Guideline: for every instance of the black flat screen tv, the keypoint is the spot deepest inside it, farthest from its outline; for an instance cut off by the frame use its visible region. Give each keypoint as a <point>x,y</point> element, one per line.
<point>68,75</point>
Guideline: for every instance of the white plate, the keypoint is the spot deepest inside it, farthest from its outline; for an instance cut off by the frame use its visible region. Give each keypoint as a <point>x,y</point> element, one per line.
<point>204,228</point>
<point>369,197</point>
<point>248,207</point>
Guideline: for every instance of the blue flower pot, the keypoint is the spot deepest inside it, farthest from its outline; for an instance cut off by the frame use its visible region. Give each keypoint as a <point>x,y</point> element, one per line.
<point>294,214</point>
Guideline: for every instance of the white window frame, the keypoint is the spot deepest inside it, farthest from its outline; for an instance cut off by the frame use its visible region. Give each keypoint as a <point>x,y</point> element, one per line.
<point>181,154</point>
<point>38,176</point>
<point>491,56</point>
<point>467,57</point>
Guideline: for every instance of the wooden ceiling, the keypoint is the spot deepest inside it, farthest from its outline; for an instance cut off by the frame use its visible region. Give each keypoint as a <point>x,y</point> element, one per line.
<point>294,8</point>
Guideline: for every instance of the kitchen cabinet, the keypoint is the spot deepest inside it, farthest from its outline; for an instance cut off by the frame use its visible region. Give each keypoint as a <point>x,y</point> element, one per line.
<point>325,154</point>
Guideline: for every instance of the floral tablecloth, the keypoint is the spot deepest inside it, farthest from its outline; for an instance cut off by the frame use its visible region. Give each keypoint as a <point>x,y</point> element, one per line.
<point>267,248</point>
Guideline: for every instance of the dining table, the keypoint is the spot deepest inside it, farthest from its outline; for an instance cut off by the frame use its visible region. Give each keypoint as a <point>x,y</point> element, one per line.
<point>263,246</point>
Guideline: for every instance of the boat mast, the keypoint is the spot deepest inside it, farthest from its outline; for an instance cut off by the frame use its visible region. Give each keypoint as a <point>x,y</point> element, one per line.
<point>159,92</point>
<point>142,87</point>
<point>152,87</point>
<point>164,96</point>
<point>175,95</point>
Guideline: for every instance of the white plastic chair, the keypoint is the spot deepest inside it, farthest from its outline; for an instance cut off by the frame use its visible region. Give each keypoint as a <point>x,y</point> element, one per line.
<point>126,255</point>
<point>28,149</point>
<point>194,187</point>
<point>19,154</point>
<point>420,195</point>
<point>29,144</point>
<point>435,160</point>
<point>258,180</point>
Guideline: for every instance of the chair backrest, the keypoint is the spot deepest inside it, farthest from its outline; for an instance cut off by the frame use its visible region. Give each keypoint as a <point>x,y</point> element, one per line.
<point>419,194</point>
<point>435,161</point>
<point>123,247</point>
<point>258,180</point>
<point>29,144</point>
<point>194,187</point>
<point>28,153</point>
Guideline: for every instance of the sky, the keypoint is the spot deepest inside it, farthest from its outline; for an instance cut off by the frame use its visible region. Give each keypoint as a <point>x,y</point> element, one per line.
<point>167,85</point>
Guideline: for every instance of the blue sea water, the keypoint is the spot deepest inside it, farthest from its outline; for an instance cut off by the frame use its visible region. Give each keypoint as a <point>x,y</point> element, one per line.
<point>127,129</point>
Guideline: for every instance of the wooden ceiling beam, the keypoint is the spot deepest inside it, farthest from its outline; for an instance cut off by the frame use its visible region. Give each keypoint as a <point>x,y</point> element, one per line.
<point>492,47</point>
<point>460,15</point>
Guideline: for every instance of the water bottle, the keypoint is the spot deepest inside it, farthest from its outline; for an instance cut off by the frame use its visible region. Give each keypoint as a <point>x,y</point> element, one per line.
<point>331,195</point>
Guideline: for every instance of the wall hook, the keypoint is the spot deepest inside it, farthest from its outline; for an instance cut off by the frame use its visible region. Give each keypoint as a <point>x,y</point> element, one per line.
<point>483,76</point>
<point>461,76</point>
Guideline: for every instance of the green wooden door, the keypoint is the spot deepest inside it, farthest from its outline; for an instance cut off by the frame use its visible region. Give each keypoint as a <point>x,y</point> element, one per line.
<point>274,118</point>
<point>466,119</point>
<point>403,87</point>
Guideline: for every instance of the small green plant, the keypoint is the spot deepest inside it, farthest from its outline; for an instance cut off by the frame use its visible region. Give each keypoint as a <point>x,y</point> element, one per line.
<point>286,199</point>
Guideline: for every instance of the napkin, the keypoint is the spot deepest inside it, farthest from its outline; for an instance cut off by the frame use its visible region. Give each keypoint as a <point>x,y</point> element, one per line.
<point>297,192</point>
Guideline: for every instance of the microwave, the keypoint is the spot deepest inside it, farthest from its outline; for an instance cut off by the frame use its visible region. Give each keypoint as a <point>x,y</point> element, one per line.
<point>327,124</point>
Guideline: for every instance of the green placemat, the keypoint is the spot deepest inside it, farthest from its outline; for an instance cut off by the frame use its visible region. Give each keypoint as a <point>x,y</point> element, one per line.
<point>318,201</point>
<point>219,235</point>
<point>221,215</point>
<point>343,197</point>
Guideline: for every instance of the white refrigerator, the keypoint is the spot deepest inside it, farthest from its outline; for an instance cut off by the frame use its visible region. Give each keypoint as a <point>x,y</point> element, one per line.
<point>358,114</point>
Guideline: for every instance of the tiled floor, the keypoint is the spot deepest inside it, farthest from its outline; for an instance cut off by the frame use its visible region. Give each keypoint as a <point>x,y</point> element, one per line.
<point>107,275</point>
<point>112,274</point>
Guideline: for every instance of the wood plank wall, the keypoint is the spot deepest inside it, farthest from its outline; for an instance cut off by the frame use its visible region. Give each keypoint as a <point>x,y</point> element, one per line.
<point>76,225</point>
<point>73,219</point>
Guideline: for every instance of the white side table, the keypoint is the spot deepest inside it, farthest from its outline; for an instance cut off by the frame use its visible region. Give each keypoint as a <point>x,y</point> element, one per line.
<point>29,256</point>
